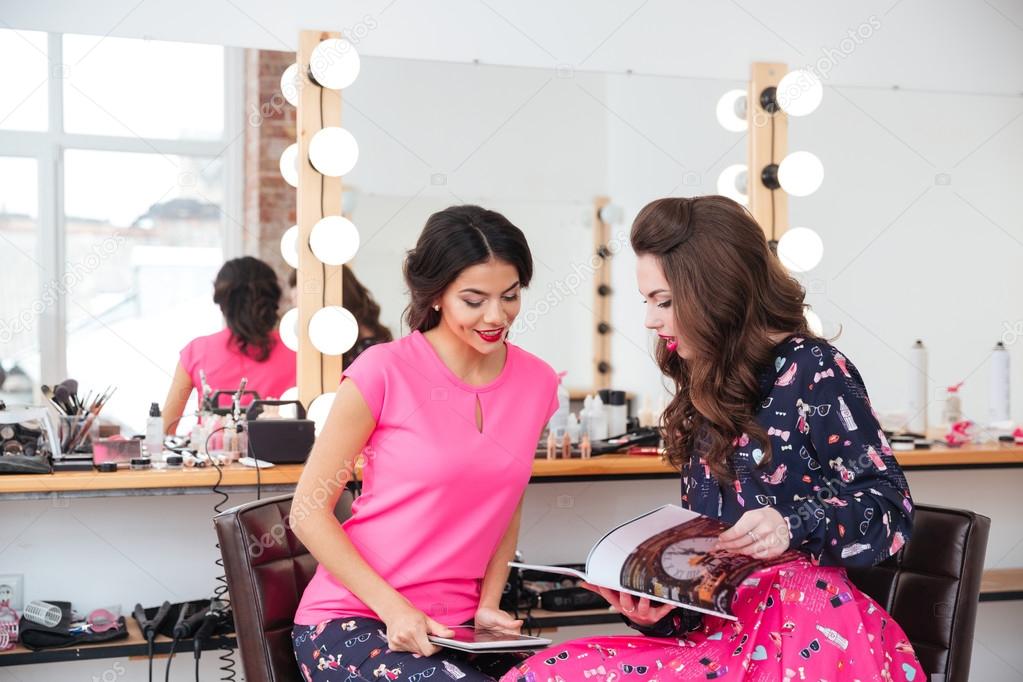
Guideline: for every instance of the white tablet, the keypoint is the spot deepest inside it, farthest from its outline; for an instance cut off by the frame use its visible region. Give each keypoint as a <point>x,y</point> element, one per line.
<point>467,638</point>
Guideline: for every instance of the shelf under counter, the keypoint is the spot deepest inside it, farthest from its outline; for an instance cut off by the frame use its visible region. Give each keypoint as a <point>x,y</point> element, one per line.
<point>133,646</point>
<point>997,585</point>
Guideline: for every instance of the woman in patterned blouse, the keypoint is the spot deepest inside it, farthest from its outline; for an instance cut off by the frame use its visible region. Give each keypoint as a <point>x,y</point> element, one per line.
<point>773,431</point>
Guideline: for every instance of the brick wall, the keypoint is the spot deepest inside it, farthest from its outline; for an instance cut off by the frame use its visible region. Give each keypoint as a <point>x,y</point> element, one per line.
<point>269,129</point>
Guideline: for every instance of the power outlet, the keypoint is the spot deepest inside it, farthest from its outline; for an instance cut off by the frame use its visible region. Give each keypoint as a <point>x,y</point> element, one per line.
<point>12,590</point>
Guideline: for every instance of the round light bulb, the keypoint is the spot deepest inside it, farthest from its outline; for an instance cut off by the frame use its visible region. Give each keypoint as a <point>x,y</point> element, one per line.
<point>334,240</point>
<point>731,111</point>
<point>800,174</point>
<point>333,330</point>
<point>800,249</point>
<point>289,411</point>
<point>289,84</point>
<point>289,165</point>
<point>319,408</point>
<point>799,92</point>
<point>289,329</point>
<point>289,246</point>
<point>335,63</point>
<point>732,183</point>
<point>813,321</point>
<point>612,214</point>
<point>333,151</point>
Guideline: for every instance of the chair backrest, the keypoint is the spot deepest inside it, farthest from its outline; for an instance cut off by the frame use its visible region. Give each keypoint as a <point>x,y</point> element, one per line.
<point>267,570</point>
<point>932,587</point>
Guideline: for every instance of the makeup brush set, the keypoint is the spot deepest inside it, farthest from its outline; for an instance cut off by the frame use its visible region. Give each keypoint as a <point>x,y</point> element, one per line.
<point>77,415</point>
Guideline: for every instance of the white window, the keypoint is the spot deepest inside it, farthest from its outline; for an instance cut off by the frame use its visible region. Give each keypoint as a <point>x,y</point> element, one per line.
<point>120,197</point>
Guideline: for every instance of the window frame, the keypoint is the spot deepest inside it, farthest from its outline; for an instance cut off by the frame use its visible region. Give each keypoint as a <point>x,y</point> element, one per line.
<point>48,147</point>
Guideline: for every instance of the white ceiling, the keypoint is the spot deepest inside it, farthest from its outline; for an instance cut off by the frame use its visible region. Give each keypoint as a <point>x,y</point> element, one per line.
<point>944,45</point>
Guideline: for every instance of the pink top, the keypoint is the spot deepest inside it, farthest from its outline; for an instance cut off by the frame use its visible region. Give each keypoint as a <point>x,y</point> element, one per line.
<point>437,493</point>
<point>225,365</point>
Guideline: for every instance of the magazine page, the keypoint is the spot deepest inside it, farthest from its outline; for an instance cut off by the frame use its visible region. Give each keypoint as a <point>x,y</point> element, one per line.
<point>667,554</point>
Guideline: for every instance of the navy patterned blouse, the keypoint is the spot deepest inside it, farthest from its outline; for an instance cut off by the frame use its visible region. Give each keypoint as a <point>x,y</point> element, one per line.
<point>832,474</point>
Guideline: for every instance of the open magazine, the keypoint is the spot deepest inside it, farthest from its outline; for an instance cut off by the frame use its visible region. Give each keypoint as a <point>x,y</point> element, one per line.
<point>665,555</point>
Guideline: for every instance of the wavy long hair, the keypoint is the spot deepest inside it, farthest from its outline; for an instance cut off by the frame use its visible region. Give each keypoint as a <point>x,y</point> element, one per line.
<point>248,293</point>
<point>729,294</point>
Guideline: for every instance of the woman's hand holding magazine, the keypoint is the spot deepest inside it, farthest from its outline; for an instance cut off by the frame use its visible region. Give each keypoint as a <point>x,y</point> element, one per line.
<point>640,611</point>
<point>675,557</point>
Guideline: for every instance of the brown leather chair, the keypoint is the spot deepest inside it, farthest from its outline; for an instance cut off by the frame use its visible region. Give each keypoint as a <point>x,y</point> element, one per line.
<point>931,587</point>
<point>267,570</point>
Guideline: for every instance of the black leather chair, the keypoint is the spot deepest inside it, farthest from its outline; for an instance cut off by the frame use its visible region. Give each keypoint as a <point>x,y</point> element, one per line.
<point>931,587</point>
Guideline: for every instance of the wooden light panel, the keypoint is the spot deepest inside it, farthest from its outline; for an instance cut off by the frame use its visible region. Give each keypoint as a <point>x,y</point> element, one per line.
<point>602,329</point>
<point>767,143</point>
<point>318,196</point>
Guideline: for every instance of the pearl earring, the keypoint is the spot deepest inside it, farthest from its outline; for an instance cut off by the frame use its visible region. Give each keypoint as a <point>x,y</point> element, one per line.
<point>437,308</point>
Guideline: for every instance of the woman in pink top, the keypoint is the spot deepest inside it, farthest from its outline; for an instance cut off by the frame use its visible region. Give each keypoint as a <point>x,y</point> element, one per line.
<point>446,420</point>
<point>247,291</point>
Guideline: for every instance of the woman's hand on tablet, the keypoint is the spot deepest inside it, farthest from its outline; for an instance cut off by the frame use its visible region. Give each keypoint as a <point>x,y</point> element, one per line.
<point>408,629</point>
<point>495,619</point>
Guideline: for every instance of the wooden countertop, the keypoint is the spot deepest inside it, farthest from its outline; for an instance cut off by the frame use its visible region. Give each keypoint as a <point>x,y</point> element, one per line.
<point>602,467</point>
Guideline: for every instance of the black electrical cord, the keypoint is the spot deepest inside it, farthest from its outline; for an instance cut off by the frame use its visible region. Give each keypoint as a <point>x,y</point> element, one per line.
<point>773,218</point>
<point>220,592</point>
<point>226,658</point>
<point>170,657</point>
<point>220,471</point>
<point>323,266</point>
<point>259,482</point>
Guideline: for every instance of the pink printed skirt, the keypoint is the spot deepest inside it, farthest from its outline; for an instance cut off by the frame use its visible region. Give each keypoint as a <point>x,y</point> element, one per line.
<point>796,622</point>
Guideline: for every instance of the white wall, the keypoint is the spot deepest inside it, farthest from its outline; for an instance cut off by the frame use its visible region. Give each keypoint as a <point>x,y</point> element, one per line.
<point>917,212</point>
<point>921,239</point>
<point>520,141</point>
<point>939,45</point>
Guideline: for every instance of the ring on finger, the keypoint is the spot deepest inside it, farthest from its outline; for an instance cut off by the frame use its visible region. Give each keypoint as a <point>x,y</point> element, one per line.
<point>632,610</point>
<point>753,536</point>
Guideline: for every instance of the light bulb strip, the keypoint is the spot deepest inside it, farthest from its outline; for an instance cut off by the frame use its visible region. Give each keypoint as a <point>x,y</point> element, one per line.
<point>766,143</point>
<point>602,368</point>
<point>318,196</point>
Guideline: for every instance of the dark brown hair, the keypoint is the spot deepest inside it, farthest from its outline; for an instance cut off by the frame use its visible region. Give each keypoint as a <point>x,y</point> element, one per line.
<point>453,240</point>
<point>359,301</point>
<point>729,294</point>
<point>248,293</point>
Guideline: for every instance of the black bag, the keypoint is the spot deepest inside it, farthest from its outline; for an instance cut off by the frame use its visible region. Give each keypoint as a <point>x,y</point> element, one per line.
<point>24,464</point>
<point>36,637</point>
